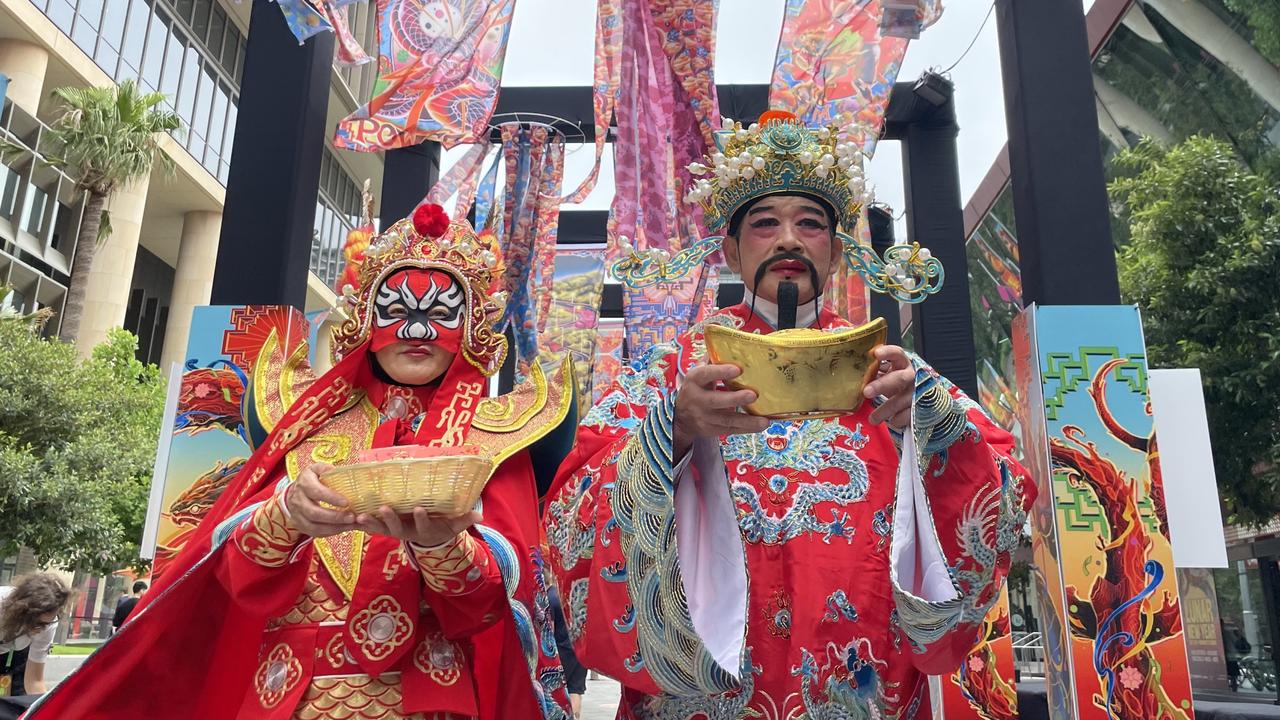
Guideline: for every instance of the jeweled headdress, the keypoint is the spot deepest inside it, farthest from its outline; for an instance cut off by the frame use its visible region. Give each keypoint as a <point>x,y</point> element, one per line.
<point>779,155</point>
<point>430,241</point>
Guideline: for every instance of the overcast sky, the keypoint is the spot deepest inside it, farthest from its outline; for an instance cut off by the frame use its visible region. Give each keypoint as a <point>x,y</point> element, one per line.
<point>552,43</point>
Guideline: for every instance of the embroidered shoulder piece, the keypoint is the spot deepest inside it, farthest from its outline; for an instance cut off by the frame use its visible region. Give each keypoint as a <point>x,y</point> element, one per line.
<point>507,424</point>
<point>279,376</point>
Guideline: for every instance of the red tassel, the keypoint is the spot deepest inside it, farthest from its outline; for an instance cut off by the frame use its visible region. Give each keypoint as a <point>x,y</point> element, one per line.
<point>430,220</point>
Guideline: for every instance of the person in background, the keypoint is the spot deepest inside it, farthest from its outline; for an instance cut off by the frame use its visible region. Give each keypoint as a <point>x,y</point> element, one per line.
<point>28,621</point>
<point>126,605</point>
<point>575,675</point>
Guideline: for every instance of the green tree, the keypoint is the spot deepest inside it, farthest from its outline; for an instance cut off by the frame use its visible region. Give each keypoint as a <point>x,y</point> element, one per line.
<point>1201,264</point>
<point>77,444</point>
<point>1263,17</point>
<point>106,137</point>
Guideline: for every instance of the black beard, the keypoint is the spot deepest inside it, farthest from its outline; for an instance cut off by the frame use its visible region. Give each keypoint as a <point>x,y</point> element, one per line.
<point>779,257</point>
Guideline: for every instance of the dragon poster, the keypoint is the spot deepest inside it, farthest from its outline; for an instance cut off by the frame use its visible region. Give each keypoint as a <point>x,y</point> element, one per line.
<point>983,687</point>
<point>209,442</point>
<point>1112,624</point>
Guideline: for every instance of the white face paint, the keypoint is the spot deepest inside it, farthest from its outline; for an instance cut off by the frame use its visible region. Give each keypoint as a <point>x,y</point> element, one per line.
<point>418,306</point>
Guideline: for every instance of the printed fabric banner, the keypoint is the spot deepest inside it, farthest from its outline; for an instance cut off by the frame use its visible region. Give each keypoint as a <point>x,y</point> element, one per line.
<point>308,17</point>
<point>995,298</point>
<point>604,96</point>
<point>834,67</point>
<point>574,314</point>
<point>534,160</point>
<point>610,355</point>
<point>440,67</point>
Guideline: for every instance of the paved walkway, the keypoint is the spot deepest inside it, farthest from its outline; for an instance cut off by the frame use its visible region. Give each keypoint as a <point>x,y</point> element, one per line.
<point>601,700</point>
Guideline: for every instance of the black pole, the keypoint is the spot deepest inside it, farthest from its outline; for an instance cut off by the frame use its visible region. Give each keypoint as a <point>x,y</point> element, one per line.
<point>407,175</point>
<point>943,323</point>
<point>269,216</point>
<point>880,220</point>
<point>1055,160</point>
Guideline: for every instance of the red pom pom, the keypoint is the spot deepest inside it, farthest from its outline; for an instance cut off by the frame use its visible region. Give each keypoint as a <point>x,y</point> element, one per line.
<point>430,220</point>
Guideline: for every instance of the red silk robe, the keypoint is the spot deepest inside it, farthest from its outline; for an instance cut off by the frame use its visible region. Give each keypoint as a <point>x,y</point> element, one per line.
<point>256,621</point>
<point>793,571</point>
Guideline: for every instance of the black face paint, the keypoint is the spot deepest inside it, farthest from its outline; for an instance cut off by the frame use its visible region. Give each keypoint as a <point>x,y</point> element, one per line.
<point>813,280</point>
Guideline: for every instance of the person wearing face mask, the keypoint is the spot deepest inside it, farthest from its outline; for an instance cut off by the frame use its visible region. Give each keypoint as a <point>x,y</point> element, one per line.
<point>720,564</point>
<point>286,604</point>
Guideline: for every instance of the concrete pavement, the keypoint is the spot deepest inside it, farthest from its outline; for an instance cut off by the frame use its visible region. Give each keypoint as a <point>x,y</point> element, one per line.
<point>601,700</point>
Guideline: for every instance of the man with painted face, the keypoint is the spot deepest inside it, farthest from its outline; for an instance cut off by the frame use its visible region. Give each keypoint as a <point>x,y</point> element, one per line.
<point>288,605</point>
<point>723,565</point>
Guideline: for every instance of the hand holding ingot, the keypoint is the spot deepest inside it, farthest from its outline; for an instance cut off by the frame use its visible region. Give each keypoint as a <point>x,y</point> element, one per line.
<point>703,409</point>
<point>895,381</point>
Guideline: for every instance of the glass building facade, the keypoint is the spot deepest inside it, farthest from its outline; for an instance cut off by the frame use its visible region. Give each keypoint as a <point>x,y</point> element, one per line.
<point>338,208</point>
<point>190,51</point>
<point>193,52</point>
<point>1211,72</point>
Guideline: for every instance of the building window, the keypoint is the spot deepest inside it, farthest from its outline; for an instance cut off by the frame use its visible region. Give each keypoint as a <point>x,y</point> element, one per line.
<point>337,213</point>
<point>187,49</point>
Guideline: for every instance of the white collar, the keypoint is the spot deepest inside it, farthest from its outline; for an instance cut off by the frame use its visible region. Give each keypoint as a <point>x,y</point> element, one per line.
<point>806,314</point>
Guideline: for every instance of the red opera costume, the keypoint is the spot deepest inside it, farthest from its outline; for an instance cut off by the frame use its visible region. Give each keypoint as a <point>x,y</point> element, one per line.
<point>820,568</point>
<point>256,620</point>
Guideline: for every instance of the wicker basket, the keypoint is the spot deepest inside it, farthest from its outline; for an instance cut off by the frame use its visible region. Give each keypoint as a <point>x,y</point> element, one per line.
<point>443,485</point>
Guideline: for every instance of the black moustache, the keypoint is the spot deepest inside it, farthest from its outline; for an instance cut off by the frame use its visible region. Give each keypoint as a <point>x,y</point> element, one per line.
<point>779,257</point>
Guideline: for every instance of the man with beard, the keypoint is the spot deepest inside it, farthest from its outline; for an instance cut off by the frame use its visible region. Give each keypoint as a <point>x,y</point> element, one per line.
<point>724,565</point>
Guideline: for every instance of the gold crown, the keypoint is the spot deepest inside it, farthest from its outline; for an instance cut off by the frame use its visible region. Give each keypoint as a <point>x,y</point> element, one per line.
<point>473,259</point>
<point>777,155</point>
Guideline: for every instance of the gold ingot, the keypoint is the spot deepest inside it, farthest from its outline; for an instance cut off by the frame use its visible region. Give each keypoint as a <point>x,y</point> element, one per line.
<point>803,373</point>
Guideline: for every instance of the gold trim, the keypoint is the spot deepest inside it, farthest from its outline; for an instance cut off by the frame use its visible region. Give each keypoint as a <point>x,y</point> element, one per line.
<point>795,337</point>
<point>498,414</point>
<point>563,381</point>
<point>287,372</point>
<point>344,576</point>
<point>260,382</point>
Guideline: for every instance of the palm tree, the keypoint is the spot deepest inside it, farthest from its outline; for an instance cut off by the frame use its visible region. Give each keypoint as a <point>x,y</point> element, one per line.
<point>106,137</point>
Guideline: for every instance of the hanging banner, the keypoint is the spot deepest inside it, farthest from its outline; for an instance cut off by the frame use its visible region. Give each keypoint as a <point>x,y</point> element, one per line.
<point>460,180</point>
<point>834,67</point>
<point>604,95</point>
<point>574,313</point>
<point>995,298</point>
<point>309,17</point>
<point>534,159</point>
<point>440,67</point>
<point>610,355</point>
<point>659,313</point>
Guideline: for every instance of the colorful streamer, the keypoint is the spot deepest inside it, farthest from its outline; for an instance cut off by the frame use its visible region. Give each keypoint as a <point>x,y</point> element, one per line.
<point>460,180</point>
<point>834,67</point>
<point>441,66</point>
<point>667,110</point>
<point>607,76</point>
<point>610,355</point>
<point>310,17</point>
<point>534,158</point>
